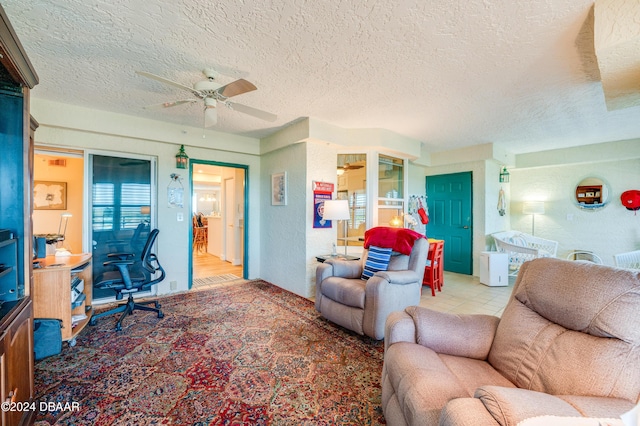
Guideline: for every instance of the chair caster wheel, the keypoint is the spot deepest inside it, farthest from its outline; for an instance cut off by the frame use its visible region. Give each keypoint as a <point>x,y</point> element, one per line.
<point>72,342</point>
<point>158,306</point>
<point>92,321</point>
<point>160,315</point>
<point>118,327</point>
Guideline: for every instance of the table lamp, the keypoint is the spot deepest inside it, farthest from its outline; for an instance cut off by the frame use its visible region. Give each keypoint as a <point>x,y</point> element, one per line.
<point>62,232</point>
<point>337,210</point>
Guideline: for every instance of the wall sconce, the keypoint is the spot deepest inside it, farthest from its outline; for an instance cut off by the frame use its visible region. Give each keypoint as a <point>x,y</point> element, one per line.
<point>181,158</point>
<point>504,175</point>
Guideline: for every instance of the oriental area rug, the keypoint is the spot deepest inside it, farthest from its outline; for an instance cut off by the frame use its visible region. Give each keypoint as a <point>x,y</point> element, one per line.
<point>244,354</point>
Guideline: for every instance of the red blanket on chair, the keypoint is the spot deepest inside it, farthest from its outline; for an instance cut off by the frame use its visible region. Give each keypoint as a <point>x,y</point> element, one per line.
<point>398,239</point>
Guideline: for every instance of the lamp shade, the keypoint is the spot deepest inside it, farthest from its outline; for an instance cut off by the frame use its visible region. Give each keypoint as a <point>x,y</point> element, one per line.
<point>533,207</point>
<point>336,210</point>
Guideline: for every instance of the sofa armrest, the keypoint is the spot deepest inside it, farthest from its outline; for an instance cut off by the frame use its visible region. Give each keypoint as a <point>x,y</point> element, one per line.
<point>335,268</point>
<point>513,405</point>
<point>468,336</point>
<point>338,268</point>
<point>382,298</point>
<point>345,268</point>
<point>399,277</point>
<point>466,411</point>
<point>399,327</point>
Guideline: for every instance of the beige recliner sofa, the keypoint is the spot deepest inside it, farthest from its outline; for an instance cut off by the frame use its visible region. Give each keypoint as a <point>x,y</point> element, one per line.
<point>363,306</point>
<point>568,344</point>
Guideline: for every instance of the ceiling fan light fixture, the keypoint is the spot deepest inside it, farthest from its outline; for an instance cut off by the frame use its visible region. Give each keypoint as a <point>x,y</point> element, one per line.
<point>206,86</point>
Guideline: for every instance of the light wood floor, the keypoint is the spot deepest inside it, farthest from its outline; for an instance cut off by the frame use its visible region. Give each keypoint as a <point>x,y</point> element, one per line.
<point>208,265</point>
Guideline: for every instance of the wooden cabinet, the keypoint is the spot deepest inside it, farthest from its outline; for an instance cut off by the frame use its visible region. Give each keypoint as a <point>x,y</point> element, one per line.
<point>16,359</point>
<point>62,289</point>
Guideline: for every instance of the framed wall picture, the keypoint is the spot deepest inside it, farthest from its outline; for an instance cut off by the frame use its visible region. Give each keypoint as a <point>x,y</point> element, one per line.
<point>279,189</point>
<point>49,195</point>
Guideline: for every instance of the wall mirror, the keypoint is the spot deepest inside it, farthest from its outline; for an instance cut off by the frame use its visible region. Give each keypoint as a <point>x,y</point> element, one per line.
<point>592,193</point>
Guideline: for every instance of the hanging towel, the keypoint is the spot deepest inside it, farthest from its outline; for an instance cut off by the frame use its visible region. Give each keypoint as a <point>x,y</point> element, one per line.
<point>502,203</point>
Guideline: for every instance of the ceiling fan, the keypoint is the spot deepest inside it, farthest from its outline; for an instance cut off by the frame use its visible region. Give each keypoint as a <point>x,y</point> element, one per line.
<point>212,94</point>
<point>348,166</point>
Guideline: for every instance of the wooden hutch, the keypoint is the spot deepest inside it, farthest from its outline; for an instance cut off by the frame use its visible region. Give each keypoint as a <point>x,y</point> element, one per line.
<point>17,78</point>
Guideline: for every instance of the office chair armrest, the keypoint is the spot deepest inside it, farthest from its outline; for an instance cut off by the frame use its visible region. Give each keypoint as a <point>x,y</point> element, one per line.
<point>123,268</point>
<point>118,262</point>
<point>121,256</point>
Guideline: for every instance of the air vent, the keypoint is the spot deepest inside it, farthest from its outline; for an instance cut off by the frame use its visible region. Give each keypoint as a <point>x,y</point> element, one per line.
<point>59,162</point>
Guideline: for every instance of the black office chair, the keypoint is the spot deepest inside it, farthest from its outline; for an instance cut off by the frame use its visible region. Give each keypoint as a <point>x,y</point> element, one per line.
<point>133,244</point>
<point>131,277</point>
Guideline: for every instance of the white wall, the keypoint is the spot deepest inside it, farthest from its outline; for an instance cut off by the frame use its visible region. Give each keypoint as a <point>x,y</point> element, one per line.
<point>416,184</point>
<point>322,159</point>
<point>606,231</point>
<point>283,237</point>
<point>80,128</point>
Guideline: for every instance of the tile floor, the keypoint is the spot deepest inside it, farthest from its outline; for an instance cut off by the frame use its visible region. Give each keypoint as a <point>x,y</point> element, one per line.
<point>463,294</point>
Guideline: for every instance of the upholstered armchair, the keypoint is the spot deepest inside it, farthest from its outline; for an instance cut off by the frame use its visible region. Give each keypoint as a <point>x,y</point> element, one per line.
<point>567,345</point>
<point>362,305</point>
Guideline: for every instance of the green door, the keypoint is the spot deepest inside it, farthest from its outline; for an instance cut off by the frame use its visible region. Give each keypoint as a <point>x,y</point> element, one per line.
<point>449,201</point>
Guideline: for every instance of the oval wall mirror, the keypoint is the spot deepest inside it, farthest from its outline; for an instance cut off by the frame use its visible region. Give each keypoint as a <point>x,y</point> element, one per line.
<point>592,193</point>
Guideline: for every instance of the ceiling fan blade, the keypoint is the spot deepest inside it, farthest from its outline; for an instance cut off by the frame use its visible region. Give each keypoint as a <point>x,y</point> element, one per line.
<point>170,104</point>
<point>166,81</point>
<point>236,88</point>
<point>254,112</point>
<point>348,166</point>
<point>210,117</point>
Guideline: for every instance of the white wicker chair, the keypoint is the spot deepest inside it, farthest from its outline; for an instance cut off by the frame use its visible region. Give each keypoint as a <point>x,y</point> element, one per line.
<point>523,247</point>
<point>585,256</point>
<point>629,260</point>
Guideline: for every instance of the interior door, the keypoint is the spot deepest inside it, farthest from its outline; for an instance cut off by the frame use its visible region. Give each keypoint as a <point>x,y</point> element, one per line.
<point>450,218</point>
<point>230,219</point>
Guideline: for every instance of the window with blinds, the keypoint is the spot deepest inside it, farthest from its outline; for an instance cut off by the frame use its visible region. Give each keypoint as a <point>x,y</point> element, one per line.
<point>125,206</point>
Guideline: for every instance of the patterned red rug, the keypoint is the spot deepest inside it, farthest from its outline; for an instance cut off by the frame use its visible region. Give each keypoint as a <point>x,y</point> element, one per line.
<point>249,353</point>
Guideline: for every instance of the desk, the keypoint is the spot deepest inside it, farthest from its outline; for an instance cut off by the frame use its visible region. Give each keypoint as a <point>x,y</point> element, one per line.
<point>53,286</point>
<point>324,257</point>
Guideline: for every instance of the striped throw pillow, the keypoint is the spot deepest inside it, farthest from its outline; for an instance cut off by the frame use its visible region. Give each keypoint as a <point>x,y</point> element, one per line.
<point>377,260</point>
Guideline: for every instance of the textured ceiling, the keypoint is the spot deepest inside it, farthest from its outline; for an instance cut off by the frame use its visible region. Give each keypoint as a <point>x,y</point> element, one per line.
<point>450,73</point>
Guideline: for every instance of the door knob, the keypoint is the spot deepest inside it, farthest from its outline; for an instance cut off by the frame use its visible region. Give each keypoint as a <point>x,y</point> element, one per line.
<point>465,227</point>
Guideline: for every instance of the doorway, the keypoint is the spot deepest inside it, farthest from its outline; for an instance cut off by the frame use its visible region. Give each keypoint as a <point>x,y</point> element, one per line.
<point>450,218</point>
<point>219,208</point>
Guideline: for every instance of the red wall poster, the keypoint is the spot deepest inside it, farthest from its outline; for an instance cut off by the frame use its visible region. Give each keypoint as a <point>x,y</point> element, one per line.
<point>321,191</point>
